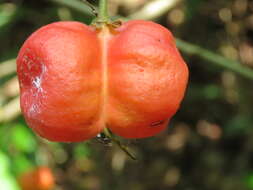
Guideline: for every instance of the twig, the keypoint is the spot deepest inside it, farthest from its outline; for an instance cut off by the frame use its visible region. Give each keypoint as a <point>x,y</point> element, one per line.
<point>76,5</point>
<point>120,145</point>
<point>214,58</point>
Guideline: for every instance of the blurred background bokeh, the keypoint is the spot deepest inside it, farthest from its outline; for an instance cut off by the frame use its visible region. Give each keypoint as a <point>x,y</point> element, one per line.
<point>208,144</point>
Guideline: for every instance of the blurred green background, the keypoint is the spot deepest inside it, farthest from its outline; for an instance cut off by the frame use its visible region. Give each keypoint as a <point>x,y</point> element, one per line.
<point>209,142</point>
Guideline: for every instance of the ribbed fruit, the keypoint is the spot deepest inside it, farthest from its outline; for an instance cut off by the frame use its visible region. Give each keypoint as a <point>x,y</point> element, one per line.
<point>75,80</point>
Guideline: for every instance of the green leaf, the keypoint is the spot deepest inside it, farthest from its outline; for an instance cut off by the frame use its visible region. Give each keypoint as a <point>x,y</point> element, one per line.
<point>21,164</point>
<point>4,161</point>
<point>249,181</point>
<point>7,11</point>
<point>238,125</point>
<point>212,91</point>
<point>7,181</point>
<point>81,150</point>
<point>22,139</point>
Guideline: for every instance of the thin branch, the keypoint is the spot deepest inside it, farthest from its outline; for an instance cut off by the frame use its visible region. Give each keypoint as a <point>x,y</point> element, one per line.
<point>119,144</point>
<point>214,58</point>
<point>76,5</point>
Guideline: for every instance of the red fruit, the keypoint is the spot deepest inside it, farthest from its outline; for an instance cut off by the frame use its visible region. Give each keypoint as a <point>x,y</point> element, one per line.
<point>39,179</point>
<point>76,79</point>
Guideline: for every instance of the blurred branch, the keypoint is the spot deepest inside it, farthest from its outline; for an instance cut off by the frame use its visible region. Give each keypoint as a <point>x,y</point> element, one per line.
<point>7,67</point>
<point>7,12</point>
<point>10,110</point>
<point>214,58</point>
<point>11,87</point>
<point>154,9</point>
<point>76,5</point>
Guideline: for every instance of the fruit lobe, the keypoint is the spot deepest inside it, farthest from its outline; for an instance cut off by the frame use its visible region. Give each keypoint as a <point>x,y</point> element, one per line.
<point>39,179</point>
<point>75,80</point>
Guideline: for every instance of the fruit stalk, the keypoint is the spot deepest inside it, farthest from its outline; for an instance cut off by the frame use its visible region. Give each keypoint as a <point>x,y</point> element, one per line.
<point>117,142</point>
<point>103,11</point>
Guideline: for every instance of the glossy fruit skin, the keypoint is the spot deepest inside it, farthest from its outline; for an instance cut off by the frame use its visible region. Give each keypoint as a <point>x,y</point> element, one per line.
<point>147,79</point>
<point>59,73</point>
<point>76,79</point>
<point>40,178</point>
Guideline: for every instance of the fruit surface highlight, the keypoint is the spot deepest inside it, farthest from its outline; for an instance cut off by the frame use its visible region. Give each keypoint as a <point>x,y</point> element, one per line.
<point>75,80</point>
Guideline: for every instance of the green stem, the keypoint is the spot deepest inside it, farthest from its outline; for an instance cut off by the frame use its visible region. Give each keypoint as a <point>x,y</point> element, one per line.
<point>103,11</point>
<point>117,142</point>
<point>214,58</point>
<point>75,5</point>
